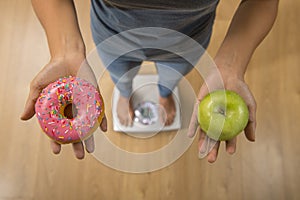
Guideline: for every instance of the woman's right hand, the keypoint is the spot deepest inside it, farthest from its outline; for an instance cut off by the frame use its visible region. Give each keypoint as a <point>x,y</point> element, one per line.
<point>73,64</point>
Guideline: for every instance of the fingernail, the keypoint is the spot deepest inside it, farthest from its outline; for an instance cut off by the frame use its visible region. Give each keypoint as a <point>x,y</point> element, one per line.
<point>211,159</point>
<point>80,157</point>
<point>190,135</point>
<point>90,150</point>
<point>22,117</point>
<point>201,154</point>
<point>231,151</point>
<point>105,128</point>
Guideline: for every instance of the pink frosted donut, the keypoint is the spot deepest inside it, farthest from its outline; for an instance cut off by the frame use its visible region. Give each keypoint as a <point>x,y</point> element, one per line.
<point>65,93</point>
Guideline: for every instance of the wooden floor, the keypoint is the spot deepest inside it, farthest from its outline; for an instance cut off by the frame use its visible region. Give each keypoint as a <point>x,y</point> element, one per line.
<point>266,169</point>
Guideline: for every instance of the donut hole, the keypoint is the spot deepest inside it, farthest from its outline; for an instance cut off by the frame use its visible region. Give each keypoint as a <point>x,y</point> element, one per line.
<point>70,111</point>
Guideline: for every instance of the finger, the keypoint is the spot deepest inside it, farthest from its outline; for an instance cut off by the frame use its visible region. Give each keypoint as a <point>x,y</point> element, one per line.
<point>78,150</point>
<point>89,144</point>
<point>103,124</point>
<point>202,147</point>
<point>29,109</point>
<point>251,126</point>
<point>194,121</point>
<point>206,145</point>
<point>213,154</point>
<point>203,92</point>
<point>194,124</point>
<point>250,131</point>
<point>231,146</point>
<point>55,147</point>
<point>42,79</point>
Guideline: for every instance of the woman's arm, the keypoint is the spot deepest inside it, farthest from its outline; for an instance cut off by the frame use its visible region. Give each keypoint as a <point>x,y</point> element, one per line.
<point>67,49</point>
<point>59,20</point>
<point>249,26</point>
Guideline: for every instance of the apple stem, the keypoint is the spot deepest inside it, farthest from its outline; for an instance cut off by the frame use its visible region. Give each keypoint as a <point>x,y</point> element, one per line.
<point>222,111</point>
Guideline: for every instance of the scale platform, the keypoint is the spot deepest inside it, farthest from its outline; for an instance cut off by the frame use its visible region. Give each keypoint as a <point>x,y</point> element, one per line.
<point>145,92</point>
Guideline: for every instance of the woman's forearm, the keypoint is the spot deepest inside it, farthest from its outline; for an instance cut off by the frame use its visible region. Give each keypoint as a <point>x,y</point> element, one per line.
<point>59,19</point>
<point>250,24</point>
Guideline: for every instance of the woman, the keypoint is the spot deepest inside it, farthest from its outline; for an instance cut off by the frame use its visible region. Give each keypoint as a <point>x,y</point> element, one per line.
<point>251,22</point>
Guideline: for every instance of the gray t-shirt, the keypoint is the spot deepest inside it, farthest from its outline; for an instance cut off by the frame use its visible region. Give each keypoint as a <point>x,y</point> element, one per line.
<point>118,15</point>
<point>160,4</point>
<point>146,25</point>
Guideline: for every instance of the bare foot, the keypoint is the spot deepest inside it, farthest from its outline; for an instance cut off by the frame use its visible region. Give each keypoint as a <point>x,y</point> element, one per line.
<point>125,111</point>
<point>167,114</point>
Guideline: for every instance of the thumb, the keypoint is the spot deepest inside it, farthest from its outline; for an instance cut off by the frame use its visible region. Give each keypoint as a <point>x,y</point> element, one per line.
<point>47,75</point>
<point>29,108</point>
<point>194,124</point>
<point>194,121</point>
<point>203,92</point>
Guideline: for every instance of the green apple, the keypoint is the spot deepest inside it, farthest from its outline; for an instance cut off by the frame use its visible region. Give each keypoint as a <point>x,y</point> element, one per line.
<point>223,114</point>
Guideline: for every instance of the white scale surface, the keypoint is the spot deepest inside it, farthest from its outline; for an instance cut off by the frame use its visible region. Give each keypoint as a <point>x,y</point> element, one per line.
<point>145,89</point>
